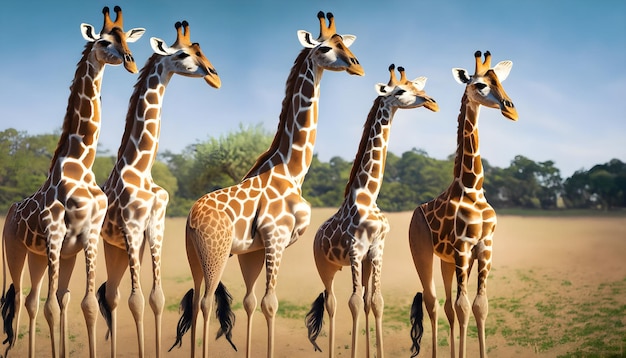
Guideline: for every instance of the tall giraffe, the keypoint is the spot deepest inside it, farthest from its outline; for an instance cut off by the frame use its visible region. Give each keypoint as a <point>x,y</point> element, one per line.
<point>65,215</point>
<point>258,218</point>
<point>136,212</point>
<point>355,235</point>
<point>458,225</point>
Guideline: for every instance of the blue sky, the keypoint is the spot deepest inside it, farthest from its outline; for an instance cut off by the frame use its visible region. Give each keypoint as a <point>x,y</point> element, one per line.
<point>567,81</point>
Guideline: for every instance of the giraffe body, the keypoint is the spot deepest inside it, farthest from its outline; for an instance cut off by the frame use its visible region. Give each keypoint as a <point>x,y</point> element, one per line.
<point>136,212</point>
<point>355,235</point>
<point>458,225</point>
<point>259,217</point>
<point>65,215</point>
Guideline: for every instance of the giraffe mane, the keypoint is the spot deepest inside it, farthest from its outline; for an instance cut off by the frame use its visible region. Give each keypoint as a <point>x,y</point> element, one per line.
<point>139,87</point>
<point>74,99</point>
<point>371,117</point>
<point>284,114</point>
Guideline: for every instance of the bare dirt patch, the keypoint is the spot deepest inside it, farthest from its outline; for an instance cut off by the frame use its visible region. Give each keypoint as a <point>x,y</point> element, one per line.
<point>558,286</point>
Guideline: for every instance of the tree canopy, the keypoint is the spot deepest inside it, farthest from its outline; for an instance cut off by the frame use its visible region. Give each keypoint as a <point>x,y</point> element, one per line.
<point>410,179</point>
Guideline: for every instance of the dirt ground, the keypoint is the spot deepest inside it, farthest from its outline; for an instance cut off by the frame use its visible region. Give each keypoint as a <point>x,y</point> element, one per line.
<point>576,253</point>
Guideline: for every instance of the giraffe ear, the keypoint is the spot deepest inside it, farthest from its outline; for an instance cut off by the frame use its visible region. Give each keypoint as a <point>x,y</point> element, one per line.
<point>461,75</point>
<point>419,83</point>
<point>348,40</point>
<point>135,34</point>
<point>383,90</point>
<point>503,69</point>
<point>306,39</point>
<point>160,47</point>
<point>89,33</point>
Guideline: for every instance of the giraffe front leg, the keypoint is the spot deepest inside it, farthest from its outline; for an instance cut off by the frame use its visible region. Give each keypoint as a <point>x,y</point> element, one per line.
<point>447,272</point>
<point>356,300</point>
<point>63,295</point>
<point>251,265</point>
<point>52,310</point>
<point>480,307</point>
<point>89,304</point>
<point>37,267</point>
<point>462,304</point>
<point>154,233</point>
<point>378,303</point>
<point>269,303</point>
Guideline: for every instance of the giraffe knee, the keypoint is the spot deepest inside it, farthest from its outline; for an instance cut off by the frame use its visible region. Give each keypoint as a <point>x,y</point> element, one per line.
<point>269,305</point>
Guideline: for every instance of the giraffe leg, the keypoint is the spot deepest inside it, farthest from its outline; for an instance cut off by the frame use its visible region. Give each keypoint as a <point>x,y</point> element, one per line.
<point>13,305</point>
<point>327,271</point>
<point>378,304</point>
<point>480,306</point>
<point>198,275</point>
<point>356,299</point>
<point>251,265</point>
<point>116,263</point>
<point>447,272</point>
<point>52,310</point>
<point>66,266</point>
<point>422,252</point>
<point>37,266</point>
<point>462,305</point>
<point>269,302</point>
<point>136,302</point>
<point>367,300</point>
<point>157,298</point>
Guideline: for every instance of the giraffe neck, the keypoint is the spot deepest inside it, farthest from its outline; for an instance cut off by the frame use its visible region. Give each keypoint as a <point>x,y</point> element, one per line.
<point>76,150</point>
<point>368,168</point>
<point>468,167</point>
<point>293,144</point>
<point>143,120</point>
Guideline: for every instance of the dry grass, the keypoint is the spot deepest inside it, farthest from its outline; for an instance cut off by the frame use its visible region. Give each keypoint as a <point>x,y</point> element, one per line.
<point>558,288</point>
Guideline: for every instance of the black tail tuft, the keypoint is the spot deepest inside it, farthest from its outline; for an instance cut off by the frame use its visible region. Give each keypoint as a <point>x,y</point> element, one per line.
<point>417,327</point>
<point>8,315</point>
<point>315,319</point>
<point>184,323</point>
<point>224,313</point>
<point>105,310</point>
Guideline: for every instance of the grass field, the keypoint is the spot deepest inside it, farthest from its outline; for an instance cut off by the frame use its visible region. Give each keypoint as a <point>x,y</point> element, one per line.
<point>557,289</point>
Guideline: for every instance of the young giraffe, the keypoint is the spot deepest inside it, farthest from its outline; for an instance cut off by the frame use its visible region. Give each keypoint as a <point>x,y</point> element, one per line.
<point>355,235</point>
<point>458,225</point>
<point>65,215</point>
<point>136,212</point>
<point>258,218</point>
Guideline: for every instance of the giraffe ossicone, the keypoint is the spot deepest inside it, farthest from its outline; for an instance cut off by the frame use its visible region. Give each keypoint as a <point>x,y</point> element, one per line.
<point>458,225</point>
<point>355,235</point>
<point>65,215</point>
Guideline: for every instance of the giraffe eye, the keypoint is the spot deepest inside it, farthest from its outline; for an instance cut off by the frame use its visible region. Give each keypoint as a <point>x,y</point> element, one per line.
<point>400,93</point>
<point>324,49</point>
<point>481,86</point>
<point>183,55</point>
<point>104,43</point>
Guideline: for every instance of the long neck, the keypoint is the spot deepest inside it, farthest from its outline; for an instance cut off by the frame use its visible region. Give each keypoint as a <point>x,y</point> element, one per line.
<point>468,167</point>
<point>295,138</point>
<point>81,126</point>
<point>368,168</point>
<point>143,121</point>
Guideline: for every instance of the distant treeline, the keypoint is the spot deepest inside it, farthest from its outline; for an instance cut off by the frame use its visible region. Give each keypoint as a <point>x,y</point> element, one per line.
<point>410,179</point>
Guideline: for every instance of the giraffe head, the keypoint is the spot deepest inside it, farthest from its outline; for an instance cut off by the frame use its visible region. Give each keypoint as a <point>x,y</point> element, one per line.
<point>186,58</point>
<point>404,93</point>
<point>330,50</point>
<point>484,87</point>
<point>110,45</point>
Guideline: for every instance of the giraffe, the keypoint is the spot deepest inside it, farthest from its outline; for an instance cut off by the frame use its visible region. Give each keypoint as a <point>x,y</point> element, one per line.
<point>355,235</point>
<point>258,218</point>
<point>65,215</point>
<point>136,212</point>
<point>458,225</point>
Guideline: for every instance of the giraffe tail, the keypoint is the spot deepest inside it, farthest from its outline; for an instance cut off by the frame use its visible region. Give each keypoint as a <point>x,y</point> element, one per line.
<point>8,314</point>
<point>184,323</point>
<point>105,310</point>
<point>315,319</point>
<point>417,327</point>
<point>224,313</point>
